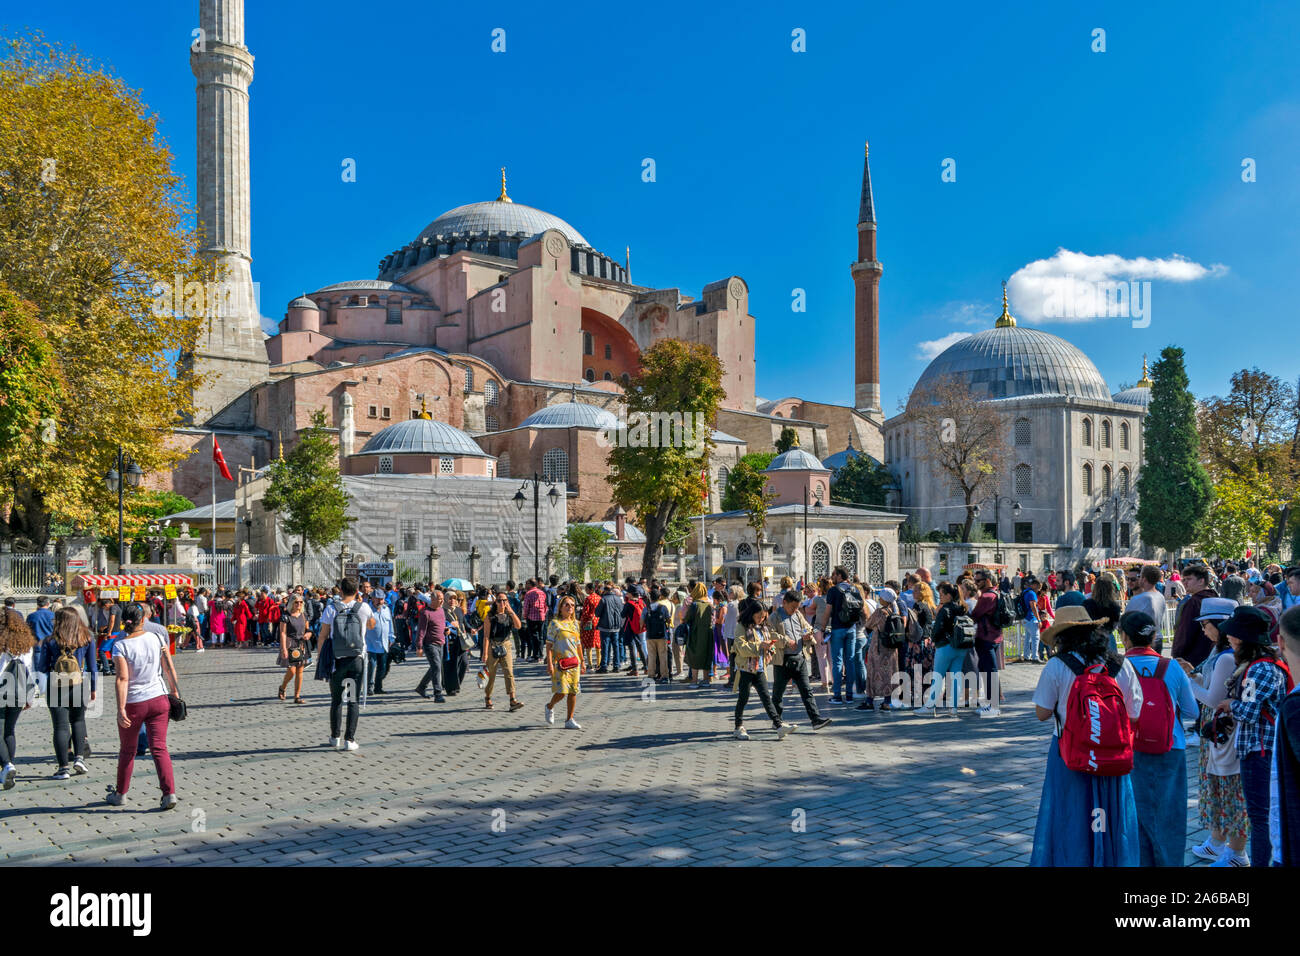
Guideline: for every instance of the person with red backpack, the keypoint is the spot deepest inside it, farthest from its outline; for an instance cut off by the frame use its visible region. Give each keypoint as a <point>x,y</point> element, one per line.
<point>1086,814</point>
<point>1159,745</point>
<point>1256,690</point>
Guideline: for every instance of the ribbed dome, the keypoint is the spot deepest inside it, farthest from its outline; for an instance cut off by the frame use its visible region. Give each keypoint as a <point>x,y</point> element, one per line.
<point>379,285</point>
<point>302,302</point>
<point>490,218</point>
<point>1139,395</point>
<point>422,436</point>
<point>1015,362</point>
<point>796,459</point>
<point>570,415</point>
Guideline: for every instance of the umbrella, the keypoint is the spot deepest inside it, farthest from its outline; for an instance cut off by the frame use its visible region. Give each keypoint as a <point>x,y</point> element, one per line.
<point>458,584</point>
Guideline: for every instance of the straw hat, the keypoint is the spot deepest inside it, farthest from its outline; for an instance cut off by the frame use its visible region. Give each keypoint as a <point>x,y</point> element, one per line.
<point>1069,616</point>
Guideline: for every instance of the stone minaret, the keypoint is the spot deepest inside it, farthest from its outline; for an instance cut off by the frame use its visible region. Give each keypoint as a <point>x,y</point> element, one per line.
<point>230,352</point>
<point>866,312</point>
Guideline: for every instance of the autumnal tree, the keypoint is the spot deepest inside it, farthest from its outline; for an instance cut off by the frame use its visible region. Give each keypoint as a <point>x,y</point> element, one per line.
<point>745,480</point>
<point>92,218</point>
<point>962,437</point>
<point>1173,487</point>
<point>659,480</point>
<point>306,488</point>
<point>1240,516</point>
<point>584,549</point>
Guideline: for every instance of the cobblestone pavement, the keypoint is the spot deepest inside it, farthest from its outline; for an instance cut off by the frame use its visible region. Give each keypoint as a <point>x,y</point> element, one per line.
<point>646,781</point>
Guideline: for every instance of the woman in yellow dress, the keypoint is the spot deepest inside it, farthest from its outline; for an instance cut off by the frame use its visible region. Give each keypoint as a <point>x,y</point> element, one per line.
<point>564,660</point>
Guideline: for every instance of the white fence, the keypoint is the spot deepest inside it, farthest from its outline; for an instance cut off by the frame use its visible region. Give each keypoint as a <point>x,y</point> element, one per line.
<point>30,574</point>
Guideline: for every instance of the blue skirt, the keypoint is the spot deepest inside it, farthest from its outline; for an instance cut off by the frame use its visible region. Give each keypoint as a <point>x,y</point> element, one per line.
<point>1084,820</point>
<point>1160,795</point>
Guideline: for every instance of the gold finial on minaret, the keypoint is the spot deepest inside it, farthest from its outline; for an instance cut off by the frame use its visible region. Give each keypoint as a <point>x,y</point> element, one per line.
<point>424,411</point>
<point>1006,320</point>
<point>503,197</point>
<point>866,148</point>
<point>1145,380</point>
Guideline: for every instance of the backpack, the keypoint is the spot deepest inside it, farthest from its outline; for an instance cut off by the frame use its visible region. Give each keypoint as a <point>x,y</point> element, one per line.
<point>850,609</point>
<point>963,632</point>
<point>1022,606</point>
<point>65,674</point>
<point>680,633</point>
<point>634,617</point>
<point>1005,613</point>
<point>893,633</point>
<point>14,684</point>
<point>1155,727</point>
<point>656,622</point>
<point>1290,684</point>
<point>1096,736</point>
<point>346,634</point>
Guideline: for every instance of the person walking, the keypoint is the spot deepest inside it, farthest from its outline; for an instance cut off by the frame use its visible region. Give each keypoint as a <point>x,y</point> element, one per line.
<point>609,621</point>
<point>587,626</point>
<point>699,635</point>
<point>794,642</point>
<point>295,647</point>
<point>846,611</point>
<point>564,661</point>
<point>499,649</point>
<point>754,649</point>
<point>345,625</point>
<point>988,637</point>
<point>432,636</point>
<point>17,686</point>
<point>378,640</point>
<point>1031,651</point>
<point>953,634</point>
<point>65,657</point>
<point>535,612</point>
<point>144,671</point>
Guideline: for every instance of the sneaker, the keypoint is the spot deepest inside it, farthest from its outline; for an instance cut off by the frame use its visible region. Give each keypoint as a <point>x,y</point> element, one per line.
<point>334,743</point>
<point>550,716</point>
<point>440,699</point>
<point>1209,850</point>
<point>79,766</point>
<point>1230,858</point>
<point>169,801</point>
<point>740,734</point>
<point>785,730</point>
<point>200,650</point>
<point>837,700</point>
<point>990,712</point>
<point>572,724</point>
<point>423,692</point>
<point>820,723</point>
<point>10,773</point>
<point>867,704</point>
<point>62,774</point>
<point>350,745</point>
<point>113,798</point>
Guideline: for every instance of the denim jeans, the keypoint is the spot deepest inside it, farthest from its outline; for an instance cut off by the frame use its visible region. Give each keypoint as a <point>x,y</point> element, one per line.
<point>1032,650</point>
<point>433,653</point>
<point>947,661</point>
<point>843,645</point>
<point>1255,772</point>
<point>611,646</point>
<point>635,644</point>
<point>860,644</point>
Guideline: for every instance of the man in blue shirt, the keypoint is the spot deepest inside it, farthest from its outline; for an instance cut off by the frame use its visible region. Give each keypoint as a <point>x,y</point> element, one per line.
<point>41,621</point>
<point>377,641</point>
<point>1033,650</point>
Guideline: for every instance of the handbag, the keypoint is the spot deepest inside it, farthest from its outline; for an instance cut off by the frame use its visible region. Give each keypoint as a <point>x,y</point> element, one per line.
<point>466,641</point>
<point>568,663</point>
<point>177,708</point>
<point>498,648</point>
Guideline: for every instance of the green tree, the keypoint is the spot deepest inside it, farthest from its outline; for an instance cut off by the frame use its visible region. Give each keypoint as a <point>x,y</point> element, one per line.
<point>305,487</point>
<point>1239,518</point>
<point>862,481</point>
<point>1173,488</point>
<point>92,218</point>
<point>146,509</point>
<point>658,480</point>
<point>584,549</point>
<point>746,479</point>
<point>789,439</point>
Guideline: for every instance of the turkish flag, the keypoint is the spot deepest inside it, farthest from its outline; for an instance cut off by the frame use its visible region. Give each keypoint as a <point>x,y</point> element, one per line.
<point>220,459</point>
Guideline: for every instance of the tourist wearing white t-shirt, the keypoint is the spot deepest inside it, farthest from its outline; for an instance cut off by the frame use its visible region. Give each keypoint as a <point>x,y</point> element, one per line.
<point>348,679</point>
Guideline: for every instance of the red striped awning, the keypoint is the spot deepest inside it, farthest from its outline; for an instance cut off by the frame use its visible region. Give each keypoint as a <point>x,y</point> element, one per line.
<point>83,581</point>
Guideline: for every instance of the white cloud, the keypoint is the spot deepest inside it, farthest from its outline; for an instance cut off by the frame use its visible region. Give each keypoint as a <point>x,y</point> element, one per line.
<point>1076,287</point>
<point>269,325</point>
<point>931,349</point>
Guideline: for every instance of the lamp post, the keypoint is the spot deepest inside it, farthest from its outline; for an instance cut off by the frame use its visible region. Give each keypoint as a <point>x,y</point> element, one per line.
<point>997,523</point>
<point>519,499</point>
<point>817,504</point>
<point>1115,501</point>
<point>118,480</point>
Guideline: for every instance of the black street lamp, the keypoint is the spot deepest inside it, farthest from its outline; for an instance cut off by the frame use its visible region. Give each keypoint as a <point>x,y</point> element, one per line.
<point>115,482</point>
<point>997,523</point>
<point>519,499</point>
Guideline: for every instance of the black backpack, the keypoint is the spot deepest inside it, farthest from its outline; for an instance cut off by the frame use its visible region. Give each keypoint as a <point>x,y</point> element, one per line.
<point>656,622</point>
<point>963,632</point>
<point>893,633</point>
<point>850,609</point>
<point>346,633</point>
<point>1022,607</point>
<point>1004,615</point>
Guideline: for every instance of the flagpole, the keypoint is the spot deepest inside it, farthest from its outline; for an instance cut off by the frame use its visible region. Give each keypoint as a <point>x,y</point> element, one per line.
<point>212,467</point>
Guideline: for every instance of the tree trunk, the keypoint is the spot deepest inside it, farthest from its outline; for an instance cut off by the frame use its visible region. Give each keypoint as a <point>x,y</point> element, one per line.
<point>656,527</point>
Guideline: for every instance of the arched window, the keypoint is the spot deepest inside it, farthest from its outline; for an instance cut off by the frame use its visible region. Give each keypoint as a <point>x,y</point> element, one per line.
<point>555,465</point>
<point>588,344</point>
<point>849,557</point>
<point>723,475</point>
<point>1105,433</point>
<point>491,392</point>
<point>819,490</point>
<point>1105,479</point>
<point>1087,479</point>
<point>1022,431</point>
<point>609,376</point>
<point>1123,436</point>
<point>1123,482</point>
<point>503,465</point>
<point>609,351</point>
<point>490,421</point>
<point>876,564</point>
<point>744,551</point>
<point>1024,481</point>
<point>469,377</point>
<point>1087,432</point>
<point>821,560</point>
<point>590,375</point>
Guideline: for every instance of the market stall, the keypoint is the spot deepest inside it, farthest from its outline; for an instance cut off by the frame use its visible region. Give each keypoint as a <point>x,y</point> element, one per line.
<point>1125,562</point>
<point>128,588</point>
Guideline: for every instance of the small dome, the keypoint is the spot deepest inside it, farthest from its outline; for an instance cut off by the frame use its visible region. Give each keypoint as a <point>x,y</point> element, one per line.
<point>1139,395</point>
<point>796,459</point>
<point>496,216</point>
<point>570,415</point>
<point>302,302</point>
<point>841,458</point>
<point>422,436</point>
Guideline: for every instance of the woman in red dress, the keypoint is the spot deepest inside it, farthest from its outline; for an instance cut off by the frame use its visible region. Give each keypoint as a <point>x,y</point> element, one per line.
<point>241,615</point>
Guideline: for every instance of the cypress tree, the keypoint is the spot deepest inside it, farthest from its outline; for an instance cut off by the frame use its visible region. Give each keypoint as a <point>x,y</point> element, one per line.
<point>1174,490</point>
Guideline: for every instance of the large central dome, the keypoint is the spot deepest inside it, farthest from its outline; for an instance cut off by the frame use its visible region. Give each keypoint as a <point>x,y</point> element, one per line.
<point>1014,362</point>
<point>498,216</point>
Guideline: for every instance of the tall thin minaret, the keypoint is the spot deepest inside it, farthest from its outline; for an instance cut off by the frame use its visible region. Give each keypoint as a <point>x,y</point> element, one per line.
<point>866,311</point>
<point>230,352</point>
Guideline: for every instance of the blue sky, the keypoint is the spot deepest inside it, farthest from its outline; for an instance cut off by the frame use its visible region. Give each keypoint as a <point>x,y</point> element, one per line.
<point>1130,154</point>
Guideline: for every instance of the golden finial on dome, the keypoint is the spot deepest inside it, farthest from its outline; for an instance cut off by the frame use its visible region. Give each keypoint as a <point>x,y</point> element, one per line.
<point>424,411</point>
<point>1005,320</point>
<point>503,197</point>
<point>1145,380</point>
